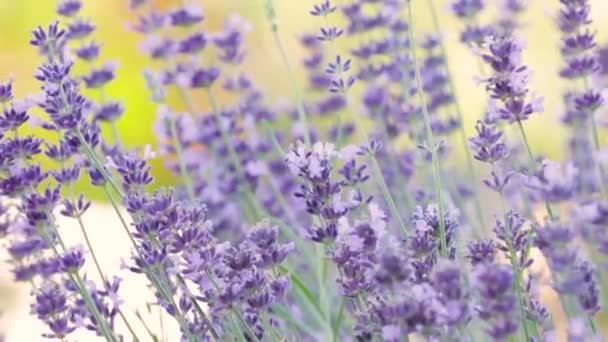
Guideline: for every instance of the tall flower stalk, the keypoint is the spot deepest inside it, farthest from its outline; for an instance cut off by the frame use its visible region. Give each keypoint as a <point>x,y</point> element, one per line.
<point>457,107</point>
<point>432,145</point>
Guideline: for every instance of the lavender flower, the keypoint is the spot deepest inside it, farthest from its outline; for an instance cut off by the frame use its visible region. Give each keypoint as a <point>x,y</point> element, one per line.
<point>497,306</point>
<point>6,91</point>
<point>572,275</point>
<point>487,144</point>
<point>481,251</point>
<point>509,82</point>
<point>69,8</point>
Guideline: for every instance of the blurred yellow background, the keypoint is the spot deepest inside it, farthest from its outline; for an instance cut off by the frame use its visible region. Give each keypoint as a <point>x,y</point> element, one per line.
<point>18,58</point>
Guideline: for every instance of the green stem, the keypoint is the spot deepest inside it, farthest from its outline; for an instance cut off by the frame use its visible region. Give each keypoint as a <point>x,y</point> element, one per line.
<point>321,268</point>
<point>339,319</point>
<point>236,329</point>
<point>120,217</point>
<point>463,135</point>
<point>96,163</point>
<point>93,158</point>
<point>534,164</point>
<point>309,298</point>
<point>183,170</point>
<point>297,97</point>
<point>429,136</point>
<point>243,322</point>
<point>146,327</point>
<point>387,195</point>
<point>101,275</point>
<point>103,325</point>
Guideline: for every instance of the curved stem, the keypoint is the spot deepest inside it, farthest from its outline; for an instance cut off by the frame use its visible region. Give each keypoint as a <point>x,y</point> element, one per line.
<point>387,195</point>
<point>429,136</point>
<point>463,135</point>
<point>514,260</point>
<point>297,97</point>
<point>534,164</point>
<point>183,169</point>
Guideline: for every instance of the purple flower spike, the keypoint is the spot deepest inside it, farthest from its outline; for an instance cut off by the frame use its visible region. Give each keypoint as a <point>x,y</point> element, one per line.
<point>6,91</point>
<point>509,82</point>
<point>329,33</point>
<point>186,16</point>
<point>467,8</point>
<point>158,47</point>
<point>79,29</point>
<point>109,111</point>
<point>193,44</point>
<point>99,77</point>
<point>68,8</point>
<point>151,22</point>
<point>554,182</point>
<point>12,118</point>
<point>51,306</point>
<point>49,38</point>
<point>204,77</point>
<point>323,9</point>
<point>338,66</point>
<point>498,304</point>
<point>487,143</point>
<point>88,52</point>
<point>481,251</point>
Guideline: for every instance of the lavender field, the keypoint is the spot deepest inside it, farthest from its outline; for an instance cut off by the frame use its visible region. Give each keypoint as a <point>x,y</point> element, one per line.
<point>404,174</point>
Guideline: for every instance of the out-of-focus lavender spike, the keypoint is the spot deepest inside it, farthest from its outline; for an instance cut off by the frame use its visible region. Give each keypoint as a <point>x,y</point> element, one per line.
<point>498,303</point>
<point>573,276</point>
<point>69,8</point>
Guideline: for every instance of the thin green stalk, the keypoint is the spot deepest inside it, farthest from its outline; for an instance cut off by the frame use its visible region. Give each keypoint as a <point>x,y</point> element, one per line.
<point>306,293</point>
<point>243,322</point>
<point>120,217</point>
<point>404,194</point>
<point>534,164</point>
<point>235,327</point>
<point>518,271</point>
<point>297,97</point>
<point>96,163</point>
<point>103,324</point>
<point>338,324</point>
<point>90,247</point>
<point>514,260</point>
<point>198,308</point>
<point>429,136</point>
<point>269,327</point>
<point>387,195</point>
<point>101,275</point>
<point>183,170</point>
<point>104,327</point>
<point>108,178</point>
<point>298,323</point>
<point>463,135</point>
<point>146,327</point>
<point>321,268</point>
<point>160,281</point>
<point>163,333</point>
